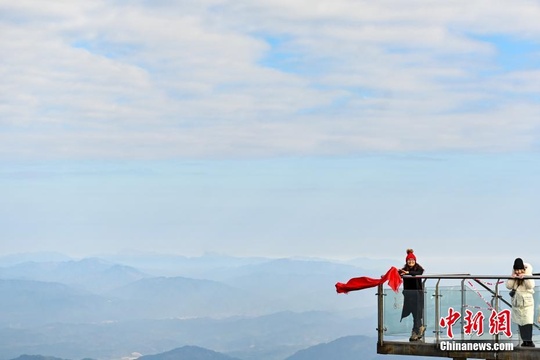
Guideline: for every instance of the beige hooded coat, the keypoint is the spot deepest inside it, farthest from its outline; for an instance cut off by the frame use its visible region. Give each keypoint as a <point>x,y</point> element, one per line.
<point>522,301</point>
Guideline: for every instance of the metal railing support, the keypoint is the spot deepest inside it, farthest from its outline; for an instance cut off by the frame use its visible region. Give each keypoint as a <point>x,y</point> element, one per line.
<point>463,302</point>
<point>380,317</point>
<point>437,312</point>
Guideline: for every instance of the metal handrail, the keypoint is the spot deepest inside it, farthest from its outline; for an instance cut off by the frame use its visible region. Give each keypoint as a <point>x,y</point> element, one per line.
<point>469,276</point>
<point>495,293</point>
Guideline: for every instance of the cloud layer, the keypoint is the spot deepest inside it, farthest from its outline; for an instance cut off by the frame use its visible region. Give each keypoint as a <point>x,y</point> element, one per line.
<point>212,78</point>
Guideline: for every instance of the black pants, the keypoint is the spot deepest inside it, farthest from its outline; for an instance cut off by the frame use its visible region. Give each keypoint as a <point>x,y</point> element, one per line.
<point>525,331</point>
<point>413,304</point>
<point>417,320</point>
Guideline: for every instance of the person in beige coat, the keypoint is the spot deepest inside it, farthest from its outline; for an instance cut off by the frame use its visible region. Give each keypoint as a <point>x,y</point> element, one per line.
<point>522,290</point>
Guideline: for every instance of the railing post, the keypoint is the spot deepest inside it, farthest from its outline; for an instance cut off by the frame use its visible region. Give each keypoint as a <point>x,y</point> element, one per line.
<point>497,305</point>
<point>437,311</point>
<point>380,315</point>
<point>424,311</point>
<point>463,302</point>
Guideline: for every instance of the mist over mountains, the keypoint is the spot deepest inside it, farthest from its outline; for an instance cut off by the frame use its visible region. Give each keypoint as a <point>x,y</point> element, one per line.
<point>113,306</point>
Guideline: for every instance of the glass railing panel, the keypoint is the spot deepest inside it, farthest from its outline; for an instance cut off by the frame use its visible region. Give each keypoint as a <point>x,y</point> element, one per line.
<point>393,306</point>
<point>471,296</point>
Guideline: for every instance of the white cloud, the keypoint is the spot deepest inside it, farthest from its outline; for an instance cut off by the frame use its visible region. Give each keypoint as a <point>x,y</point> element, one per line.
<point>231,78</point>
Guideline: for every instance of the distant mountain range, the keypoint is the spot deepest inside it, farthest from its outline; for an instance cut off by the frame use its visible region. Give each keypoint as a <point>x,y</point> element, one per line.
<point>251,308</point>
<point>18,258</point>
<point>31,303</point>
<point>36,357</point>
<point>345,348</point>
<point>98,290</point>
<point>189,353</point>
<point>180,297</point>
<point>92,274</point>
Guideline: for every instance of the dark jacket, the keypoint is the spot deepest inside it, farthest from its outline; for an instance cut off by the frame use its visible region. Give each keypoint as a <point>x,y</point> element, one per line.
<point>410,283</point>
<point>413,294</point>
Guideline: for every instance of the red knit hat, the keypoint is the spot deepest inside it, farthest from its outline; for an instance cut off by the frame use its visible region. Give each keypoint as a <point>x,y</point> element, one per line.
<point>410,255</point>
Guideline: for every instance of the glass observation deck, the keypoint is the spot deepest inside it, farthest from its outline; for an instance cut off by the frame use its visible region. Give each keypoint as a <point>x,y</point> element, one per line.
<point>460,310</point>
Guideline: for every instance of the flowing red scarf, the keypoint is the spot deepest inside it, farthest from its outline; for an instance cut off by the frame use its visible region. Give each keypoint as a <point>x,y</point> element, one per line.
<point>364,282</point>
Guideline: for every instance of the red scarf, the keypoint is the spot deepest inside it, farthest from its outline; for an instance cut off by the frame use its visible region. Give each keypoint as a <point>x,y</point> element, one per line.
<point>364,282</point>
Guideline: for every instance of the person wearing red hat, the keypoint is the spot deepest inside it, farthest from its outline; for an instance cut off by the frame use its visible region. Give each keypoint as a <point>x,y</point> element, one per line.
<point>413,295</point>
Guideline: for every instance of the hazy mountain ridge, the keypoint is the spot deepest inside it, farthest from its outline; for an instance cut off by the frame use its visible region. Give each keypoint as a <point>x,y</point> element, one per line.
<point>252,309</point>
<point>37,357</point>
<point>254,289</point>
<point>297,285</point>
<point>177,265</point>
<point>351,347</point>
<point>18,258</point>
<point>345,348</point>
<point>275,336</point>
<point>189,353</point>
<point>92,274</point>
<point>30,303</point>
<point>166,297</point>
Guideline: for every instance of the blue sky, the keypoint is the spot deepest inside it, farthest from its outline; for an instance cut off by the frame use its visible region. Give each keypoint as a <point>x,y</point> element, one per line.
<point>321,128</point>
